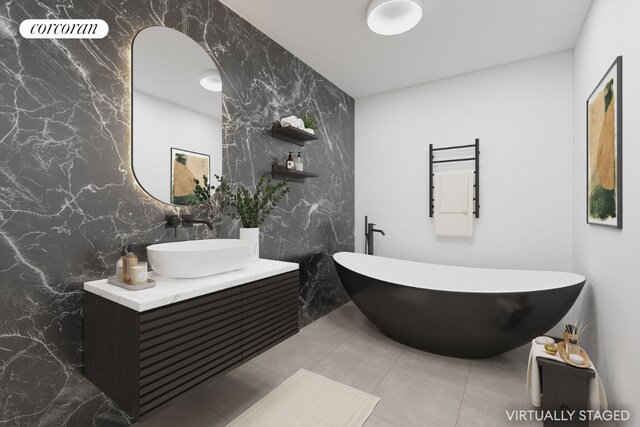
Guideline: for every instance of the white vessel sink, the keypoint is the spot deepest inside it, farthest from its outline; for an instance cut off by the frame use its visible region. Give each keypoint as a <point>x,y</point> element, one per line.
<point>199,258</point>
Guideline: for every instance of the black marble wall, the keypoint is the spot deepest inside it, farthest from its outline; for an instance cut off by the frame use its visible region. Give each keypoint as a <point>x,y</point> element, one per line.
<point>68,198</point>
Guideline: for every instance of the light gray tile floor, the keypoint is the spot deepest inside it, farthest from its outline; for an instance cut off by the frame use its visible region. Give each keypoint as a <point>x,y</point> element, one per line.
<point>416,388</point>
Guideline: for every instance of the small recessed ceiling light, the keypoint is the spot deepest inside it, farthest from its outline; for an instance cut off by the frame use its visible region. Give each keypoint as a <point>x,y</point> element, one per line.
<point>210,80</point>
<point>390,17</point>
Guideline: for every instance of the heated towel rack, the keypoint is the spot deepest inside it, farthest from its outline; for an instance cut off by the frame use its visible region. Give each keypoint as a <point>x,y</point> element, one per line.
<point>476,172</point>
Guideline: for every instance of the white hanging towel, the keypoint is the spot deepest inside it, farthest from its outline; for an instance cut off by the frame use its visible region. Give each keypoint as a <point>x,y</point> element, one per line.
<point>453,204</point>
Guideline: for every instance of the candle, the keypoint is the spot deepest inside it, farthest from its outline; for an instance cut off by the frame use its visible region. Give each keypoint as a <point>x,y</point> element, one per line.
<point>139,274</point>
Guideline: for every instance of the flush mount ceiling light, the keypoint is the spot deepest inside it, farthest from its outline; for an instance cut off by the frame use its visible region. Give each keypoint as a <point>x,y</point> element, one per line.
<point>210,80</point>
<point>390,17</point>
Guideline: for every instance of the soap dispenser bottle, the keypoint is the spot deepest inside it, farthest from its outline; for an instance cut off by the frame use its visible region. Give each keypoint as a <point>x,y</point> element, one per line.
<point>290,163</point>
<point>129,261</point>
<point>299,164</point>
<point>120,265</point>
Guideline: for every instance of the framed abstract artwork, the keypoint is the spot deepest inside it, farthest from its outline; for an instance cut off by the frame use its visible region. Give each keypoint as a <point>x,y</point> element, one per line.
<point>186,167</point>
<point>604,150</point>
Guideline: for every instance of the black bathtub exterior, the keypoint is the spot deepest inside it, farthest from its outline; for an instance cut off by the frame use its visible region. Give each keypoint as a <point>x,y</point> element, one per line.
<point>459,324</point>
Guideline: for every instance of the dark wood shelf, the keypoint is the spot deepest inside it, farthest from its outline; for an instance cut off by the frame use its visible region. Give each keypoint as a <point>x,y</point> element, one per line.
<point>278,172</point>
<point>291,134</point>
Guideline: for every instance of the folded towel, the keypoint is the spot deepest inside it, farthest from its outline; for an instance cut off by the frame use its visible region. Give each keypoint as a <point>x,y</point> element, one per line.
<point>289,121</point>
<point>455,191</point>
<point>597,396</point>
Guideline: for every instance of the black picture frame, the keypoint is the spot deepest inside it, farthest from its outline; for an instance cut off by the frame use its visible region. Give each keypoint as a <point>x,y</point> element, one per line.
<point>614,72</point>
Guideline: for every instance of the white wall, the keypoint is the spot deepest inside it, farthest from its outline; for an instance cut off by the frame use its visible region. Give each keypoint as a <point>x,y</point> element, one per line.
<point>522,114</point>
<point>158,126</point>
<point>608,258</point>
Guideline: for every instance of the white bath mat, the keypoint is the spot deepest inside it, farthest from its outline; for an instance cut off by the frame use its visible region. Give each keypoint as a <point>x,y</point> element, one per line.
<point>309,400</point>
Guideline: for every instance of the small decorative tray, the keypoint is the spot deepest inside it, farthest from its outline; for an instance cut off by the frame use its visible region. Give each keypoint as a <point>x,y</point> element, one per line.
<point>562,352</point>
<point>113,280</point>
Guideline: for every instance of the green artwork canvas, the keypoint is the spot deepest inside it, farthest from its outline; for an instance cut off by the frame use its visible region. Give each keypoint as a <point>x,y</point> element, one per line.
<point>604,150</point>
<point>186,167</point>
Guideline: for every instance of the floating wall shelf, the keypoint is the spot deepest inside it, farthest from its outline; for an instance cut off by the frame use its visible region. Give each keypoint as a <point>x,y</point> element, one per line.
<point>279,172</point>
<point>291,134</point>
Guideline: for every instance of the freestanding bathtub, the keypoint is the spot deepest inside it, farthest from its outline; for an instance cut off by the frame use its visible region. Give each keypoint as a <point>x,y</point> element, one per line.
<point>456,311</point>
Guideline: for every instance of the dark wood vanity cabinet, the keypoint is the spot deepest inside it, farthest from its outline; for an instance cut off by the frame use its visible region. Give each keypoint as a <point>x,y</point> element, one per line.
<point>142,360</point>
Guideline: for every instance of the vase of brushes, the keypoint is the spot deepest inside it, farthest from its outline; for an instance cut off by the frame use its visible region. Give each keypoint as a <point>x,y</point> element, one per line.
<point>572,334</point>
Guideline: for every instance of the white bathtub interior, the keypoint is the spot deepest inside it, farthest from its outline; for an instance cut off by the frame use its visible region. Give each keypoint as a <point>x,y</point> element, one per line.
<point>453,278</point>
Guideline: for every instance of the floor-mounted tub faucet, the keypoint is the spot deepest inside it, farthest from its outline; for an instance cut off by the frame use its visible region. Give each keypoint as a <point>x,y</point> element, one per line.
<point>368,234</point>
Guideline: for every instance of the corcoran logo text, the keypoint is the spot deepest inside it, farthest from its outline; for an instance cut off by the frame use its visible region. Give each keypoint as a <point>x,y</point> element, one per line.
<point>64,28</point>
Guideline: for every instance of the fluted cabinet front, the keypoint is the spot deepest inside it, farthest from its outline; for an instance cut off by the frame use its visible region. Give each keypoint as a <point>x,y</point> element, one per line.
<point>143,360</point>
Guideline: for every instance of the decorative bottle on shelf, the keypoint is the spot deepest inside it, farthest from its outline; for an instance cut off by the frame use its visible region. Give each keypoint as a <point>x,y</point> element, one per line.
<point>290,163</point>
<point>120,264</point>
<point>129,262</point>
<point>299,164</point>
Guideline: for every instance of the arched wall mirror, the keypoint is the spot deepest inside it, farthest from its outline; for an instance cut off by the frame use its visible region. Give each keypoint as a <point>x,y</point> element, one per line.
<point>176,115</point>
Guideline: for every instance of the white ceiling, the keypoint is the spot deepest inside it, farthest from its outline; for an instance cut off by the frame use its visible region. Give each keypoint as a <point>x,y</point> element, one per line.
<point>167,64</point>
<point>454,37</point>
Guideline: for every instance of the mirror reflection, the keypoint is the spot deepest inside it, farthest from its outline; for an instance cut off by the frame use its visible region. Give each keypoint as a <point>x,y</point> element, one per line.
<point>176,116</point>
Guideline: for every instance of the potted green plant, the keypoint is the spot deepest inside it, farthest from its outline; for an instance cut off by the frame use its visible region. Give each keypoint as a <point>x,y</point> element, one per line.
<point>252,208</point>
<point>310,124</point>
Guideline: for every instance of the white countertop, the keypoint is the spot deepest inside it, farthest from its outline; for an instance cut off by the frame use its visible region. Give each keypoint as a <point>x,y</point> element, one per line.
<point>167,291</point>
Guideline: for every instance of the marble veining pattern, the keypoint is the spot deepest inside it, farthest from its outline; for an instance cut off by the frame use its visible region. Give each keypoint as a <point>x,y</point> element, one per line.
<point>69,199</point>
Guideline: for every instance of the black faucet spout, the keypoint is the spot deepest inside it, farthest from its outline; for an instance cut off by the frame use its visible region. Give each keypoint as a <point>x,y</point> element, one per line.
<point>188,221</point>
<point>202,221</point>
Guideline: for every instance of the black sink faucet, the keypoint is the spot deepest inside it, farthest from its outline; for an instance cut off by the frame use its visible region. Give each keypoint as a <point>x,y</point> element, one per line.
<point>368,233</point>
<point>188,221</point>
<point>174,221</point>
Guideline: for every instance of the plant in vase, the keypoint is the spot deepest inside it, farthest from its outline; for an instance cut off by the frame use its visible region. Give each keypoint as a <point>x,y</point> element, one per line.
<point>310,123</point>
<point>252,209</point>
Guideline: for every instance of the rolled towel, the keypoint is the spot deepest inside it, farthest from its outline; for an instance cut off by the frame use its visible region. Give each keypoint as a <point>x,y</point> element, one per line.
<point>309,131</point>
<point>544,340</point>
<point>300,124</point>
<point>289,121</point>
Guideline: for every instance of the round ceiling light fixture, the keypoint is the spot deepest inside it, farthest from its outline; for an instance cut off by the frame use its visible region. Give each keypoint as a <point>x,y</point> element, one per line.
<point>210,80</point>
<point>390,17</point>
